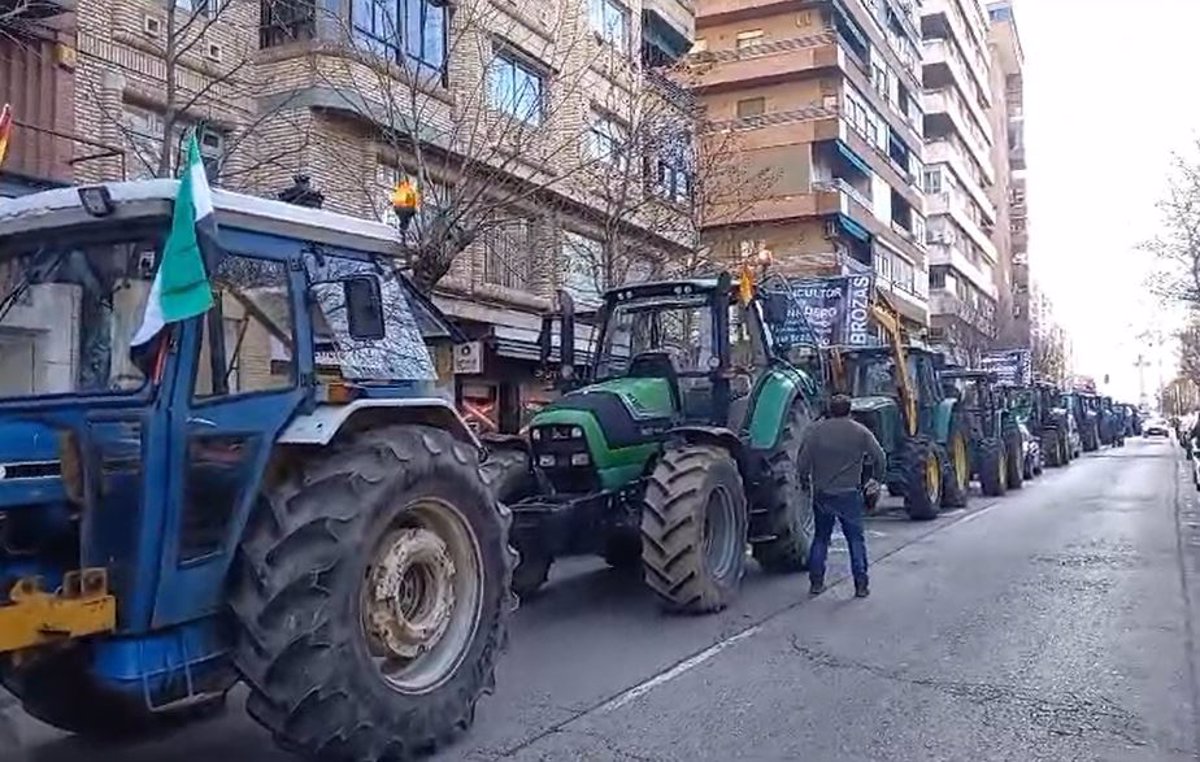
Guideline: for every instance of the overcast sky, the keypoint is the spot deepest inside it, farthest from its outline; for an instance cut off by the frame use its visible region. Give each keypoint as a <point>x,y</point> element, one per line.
<point>1107,102</point>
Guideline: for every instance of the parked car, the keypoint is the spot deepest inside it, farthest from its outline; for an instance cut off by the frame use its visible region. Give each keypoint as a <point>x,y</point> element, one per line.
<point>1156,427</point>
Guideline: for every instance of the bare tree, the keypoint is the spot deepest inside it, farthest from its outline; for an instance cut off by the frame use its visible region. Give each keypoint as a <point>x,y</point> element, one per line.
<point>201,83</point>
<point>1177,248</point>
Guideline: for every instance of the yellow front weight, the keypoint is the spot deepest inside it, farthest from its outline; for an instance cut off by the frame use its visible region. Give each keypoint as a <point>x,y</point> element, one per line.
<point>34,617</point>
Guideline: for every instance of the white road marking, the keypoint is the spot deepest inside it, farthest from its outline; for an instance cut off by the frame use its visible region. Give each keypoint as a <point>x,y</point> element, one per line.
<point>686,665</point>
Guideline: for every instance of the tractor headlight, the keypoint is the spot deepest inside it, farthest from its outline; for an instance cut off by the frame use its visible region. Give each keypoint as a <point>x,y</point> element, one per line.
<point>576,432</point>
<point>546,461</point>
<point>537,435</point>
<point>580,459</point>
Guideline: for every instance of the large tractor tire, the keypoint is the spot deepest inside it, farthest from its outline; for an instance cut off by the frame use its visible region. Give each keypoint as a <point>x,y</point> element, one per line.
<point>371,597</point>
<point>694,526</point>
<point>1054,450</point>
<point>1014,460</point>
<point>786,502</point>
<point>1091,438</point>
<point>508,474</point>
<point>993,467</point>
<point>923,479</point>
<point>956,468</point>
<point>58,688</point>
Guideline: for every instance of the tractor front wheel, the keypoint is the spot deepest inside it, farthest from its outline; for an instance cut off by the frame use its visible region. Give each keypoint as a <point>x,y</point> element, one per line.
<point>371,596</point>
<point>923,480</point>
<point>694,529</point>
<point>993,467</point>
<point>1014,460</point>
<point>786,503</point>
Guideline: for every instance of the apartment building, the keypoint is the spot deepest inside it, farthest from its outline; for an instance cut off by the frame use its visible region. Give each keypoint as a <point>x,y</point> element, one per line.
<point>1012,233</point>
<point>547,150</point>
<point>960,177</point>
<point>36,80</point>
<point>824,101</point>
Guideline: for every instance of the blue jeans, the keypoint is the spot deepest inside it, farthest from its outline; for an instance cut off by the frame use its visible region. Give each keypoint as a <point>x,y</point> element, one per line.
<point>846,507</point>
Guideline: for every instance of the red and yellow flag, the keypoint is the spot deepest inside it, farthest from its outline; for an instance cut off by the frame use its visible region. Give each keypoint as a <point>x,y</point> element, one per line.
<point>6,123</point>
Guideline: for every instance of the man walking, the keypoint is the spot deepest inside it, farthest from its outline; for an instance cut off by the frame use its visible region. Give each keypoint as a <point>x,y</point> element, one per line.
<point>832,455</point>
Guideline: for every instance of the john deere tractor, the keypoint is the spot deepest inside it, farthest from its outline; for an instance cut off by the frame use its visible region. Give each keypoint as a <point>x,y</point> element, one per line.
<point>1042,409</point>
<point>1000,450</point>
<point>896,393</point>
<point>269,491</point>
<point>670,451</point>
<point>1088,416</point>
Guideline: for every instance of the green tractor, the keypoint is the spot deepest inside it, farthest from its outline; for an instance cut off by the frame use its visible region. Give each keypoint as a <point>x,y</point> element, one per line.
<point>895,393</point>
<point>999,448</point>
<point>1044,411</point>
<point>673,449</point>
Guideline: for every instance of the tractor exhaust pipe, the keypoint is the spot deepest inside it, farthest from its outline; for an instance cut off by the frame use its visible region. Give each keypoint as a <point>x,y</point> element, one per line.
<point>565,315</point>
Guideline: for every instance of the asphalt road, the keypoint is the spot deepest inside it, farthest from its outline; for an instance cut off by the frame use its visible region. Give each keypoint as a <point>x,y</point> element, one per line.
<point>1055,623</point>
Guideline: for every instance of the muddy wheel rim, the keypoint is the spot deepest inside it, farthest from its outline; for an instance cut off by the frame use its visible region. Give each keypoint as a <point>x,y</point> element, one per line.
<point>962,468</point>
<point>421,598</point>
<point>933,477</point>
<point>721,545</point>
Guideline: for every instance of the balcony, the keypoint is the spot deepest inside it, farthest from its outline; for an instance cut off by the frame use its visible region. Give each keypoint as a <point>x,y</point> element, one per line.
<point>770,62</point>
<point>951,152</point>
<point>946,115</point>
<point>944,67</point>
<point>1016,158</point>
<point>669,27</point>
<point>944,304</point>
<point>948,203</point>
<point>942,19</point>
<point>942,252</point>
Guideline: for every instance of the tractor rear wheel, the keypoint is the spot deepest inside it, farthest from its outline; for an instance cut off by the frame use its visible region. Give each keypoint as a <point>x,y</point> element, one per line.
<point>956,470</point>
<point>694,529</point>
<point>787,502</point>
<point>1014,460</point>
<point>509,476</point>
<point>1052,449</point>
<point>923,479</point>
<point>993,467</point>
<point>371,596</point>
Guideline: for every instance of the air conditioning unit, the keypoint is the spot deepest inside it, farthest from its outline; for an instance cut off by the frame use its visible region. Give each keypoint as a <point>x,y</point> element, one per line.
<point>152,26</point>
<point>831,229</point>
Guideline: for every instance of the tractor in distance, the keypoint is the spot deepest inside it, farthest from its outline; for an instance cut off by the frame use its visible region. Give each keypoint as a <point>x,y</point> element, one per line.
<point>895,392</point>
<point>1112,423</point>
<point>670,451</point>
<point>999,448</point>
<point>1041,408</point>
<point>1086,409</point>
<point>270,492</point>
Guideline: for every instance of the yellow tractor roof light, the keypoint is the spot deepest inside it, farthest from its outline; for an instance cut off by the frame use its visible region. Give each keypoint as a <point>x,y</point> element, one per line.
<point>406,200</point>
<point>34,617</point>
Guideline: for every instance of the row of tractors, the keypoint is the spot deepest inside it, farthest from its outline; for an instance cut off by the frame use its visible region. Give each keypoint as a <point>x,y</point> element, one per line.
<point>327,530</point>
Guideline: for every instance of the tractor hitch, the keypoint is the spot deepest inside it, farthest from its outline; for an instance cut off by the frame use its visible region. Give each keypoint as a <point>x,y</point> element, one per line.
<point>33,617</point>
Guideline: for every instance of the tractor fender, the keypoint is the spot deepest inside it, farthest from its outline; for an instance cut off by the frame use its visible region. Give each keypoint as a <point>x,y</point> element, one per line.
<point>943,416</point>
<point>716,435</point>
<point>325,422</point>
<point>773,398</point>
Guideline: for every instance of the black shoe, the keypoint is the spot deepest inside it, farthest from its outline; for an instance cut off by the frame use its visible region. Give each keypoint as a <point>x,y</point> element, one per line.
<point>816,587</point>
<point>861,589</point>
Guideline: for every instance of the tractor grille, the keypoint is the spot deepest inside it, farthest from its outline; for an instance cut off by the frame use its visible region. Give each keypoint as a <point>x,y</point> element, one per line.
<point>562,454</point>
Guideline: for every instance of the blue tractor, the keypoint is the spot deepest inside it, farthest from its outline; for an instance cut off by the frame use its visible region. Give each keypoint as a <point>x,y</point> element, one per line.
<point>271,492</point>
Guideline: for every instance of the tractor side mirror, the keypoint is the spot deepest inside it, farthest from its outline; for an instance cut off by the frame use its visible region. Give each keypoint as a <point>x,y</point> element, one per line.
<point>364,308</point>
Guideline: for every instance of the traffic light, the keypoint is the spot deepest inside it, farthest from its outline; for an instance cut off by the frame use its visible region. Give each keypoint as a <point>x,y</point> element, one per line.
<point>405,202</point>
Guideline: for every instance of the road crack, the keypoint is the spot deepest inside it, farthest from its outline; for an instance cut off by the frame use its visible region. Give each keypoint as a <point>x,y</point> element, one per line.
<point>1070,714</point>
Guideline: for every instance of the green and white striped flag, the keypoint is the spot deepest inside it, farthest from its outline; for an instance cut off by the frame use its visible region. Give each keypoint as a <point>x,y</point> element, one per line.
<point>181,288</point>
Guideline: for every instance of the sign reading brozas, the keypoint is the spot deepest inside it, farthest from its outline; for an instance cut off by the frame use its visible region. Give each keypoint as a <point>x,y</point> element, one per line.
<point>837,311</point>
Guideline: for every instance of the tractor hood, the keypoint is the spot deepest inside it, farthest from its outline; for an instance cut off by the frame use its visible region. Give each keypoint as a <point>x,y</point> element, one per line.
<point>628,411</point>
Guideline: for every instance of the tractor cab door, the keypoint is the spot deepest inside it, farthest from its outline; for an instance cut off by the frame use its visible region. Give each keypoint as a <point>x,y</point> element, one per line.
<point>926,387</point>
<point>239,380</point>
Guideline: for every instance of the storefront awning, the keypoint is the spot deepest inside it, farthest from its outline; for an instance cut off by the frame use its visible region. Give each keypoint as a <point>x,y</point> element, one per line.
<point>849,155</point>
<point>853,229</point>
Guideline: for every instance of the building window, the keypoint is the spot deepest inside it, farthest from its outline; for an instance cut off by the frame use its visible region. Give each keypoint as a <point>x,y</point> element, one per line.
<point>937,277</point>
<point>607,138</point>
<point>751,107</point>
<point>583,267</point>
<point>749,38</point>
<point>933,181</point>
<point>409,32</point>
<point>508,253</point>
<point>674,168</point>
<point>285,21</point>
<point>610,22</point>
<point>517,89</point>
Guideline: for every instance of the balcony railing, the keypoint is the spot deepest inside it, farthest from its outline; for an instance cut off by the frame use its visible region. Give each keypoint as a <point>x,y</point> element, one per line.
<point>804,114</point>
<point>838,185</point>
<point>765,49</point>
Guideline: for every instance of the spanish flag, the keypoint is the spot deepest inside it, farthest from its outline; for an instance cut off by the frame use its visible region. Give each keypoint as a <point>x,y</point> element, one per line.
<point>6,123</point>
